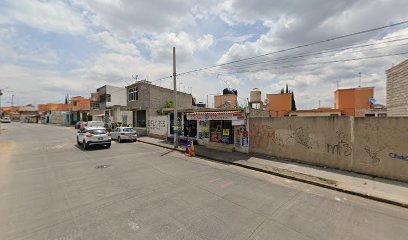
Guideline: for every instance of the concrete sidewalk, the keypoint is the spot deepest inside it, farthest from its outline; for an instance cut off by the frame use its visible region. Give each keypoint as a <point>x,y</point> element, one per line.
<point>384,190</point>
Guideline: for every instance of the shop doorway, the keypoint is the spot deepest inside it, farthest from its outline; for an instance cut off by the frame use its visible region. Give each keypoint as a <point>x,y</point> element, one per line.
<point>190,127</point>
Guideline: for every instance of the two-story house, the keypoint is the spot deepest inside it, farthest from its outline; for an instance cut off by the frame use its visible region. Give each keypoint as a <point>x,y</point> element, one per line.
<point>79,108</point>
<point>109,104</point>
<point>146,101</point>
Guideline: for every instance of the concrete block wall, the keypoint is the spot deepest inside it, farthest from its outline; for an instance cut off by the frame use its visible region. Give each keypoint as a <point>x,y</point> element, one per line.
<point>397,90</point>
<point>155,97</point>
<point>373,146</point>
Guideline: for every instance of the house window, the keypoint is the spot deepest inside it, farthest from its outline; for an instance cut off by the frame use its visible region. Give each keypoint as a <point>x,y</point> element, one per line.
<point>105,98</point>
<point>75,104</point>
<point>95,105</point>
<point>133,94</point>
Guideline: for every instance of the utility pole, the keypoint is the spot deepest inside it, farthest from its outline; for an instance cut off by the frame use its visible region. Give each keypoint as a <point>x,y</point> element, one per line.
<point>69,110</point>
<point>12,102</point>
<point>1,110</point>
<point>175,120</point>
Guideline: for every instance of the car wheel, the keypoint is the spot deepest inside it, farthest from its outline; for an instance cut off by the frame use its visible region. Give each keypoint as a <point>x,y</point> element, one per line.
<point>134,140</point>
<point>108,145</point>
<point>119,140</point>
<point>78,141</point>
<point>84,145</point>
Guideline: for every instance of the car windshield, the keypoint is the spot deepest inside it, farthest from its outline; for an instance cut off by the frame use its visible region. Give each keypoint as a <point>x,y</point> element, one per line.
<point>95,124</point>
<point>128,129</point>
<point>97,131</point>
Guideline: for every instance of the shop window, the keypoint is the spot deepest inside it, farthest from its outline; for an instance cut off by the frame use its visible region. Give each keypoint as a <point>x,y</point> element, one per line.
<point>222,131</point>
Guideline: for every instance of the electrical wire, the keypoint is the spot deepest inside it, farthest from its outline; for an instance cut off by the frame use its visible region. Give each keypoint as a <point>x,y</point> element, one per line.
<point>336,51</point>
<point>317,63</point>
<point>299,46</point>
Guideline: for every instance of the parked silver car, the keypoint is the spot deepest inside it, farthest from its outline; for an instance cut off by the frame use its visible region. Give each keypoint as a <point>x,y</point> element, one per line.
<point>124,133</point>
<point>93,136</point>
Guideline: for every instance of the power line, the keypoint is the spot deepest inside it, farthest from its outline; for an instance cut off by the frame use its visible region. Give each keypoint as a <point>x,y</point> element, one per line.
<point>299,46</point>
<point>327,62</point>
<point>336,50</point>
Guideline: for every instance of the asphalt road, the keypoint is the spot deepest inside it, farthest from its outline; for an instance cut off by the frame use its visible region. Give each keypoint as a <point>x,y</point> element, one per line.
<point>52,189</point>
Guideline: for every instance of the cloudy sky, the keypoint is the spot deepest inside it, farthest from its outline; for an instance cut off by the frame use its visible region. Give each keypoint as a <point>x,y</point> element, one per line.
<point>51,48</point>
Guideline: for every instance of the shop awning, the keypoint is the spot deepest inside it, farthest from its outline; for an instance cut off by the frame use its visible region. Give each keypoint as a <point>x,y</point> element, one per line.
<point>204,113</point>
<point>221,115</point>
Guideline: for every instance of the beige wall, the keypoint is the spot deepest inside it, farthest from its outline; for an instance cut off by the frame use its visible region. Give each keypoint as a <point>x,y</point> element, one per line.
<point>374,146</point>
<point>153,98</point>
<point>227,100</point>
<point>313,113</point>
<point>157,126</point>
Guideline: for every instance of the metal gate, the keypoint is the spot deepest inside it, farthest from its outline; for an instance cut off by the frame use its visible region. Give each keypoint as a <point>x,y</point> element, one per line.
<point>222,131</point>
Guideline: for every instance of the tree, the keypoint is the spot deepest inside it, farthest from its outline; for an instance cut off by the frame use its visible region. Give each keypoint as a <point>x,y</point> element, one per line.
<point>293,102</point>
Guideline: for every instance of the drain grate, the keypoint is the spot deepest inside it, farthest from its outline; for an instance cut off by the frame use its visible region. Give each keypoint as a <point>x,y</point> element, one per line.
<point>102,166</point>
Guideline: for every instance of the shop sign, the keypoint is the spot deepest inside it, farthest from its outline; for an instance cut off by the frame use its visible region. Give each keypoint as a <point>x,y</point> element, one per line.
<point>225,132</point>
<point>238,122</point>
<point>211,116</point>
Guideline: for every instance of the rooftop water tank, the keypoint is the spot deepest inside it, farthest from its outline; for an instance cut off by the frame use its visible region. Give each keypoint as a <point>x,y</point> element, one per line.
<point>255,95</point>
<point>229,91</point>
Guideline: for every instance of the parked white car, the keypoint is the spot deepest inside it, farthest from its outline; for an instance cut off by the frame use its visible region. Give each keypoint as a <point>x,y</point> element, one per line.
<point>90,136</point>
<point>124,133</point>
<point>5,120</point>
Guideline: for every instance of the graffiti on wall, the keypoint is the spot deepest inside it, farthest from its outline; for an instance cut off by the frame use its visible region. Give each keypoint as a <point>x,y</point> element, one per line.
<point>374,159</point>
<point>300,137</point>
<point>263,135</point>
<point>157,125</point>
<point>398,156</point>
<point>341,147</point>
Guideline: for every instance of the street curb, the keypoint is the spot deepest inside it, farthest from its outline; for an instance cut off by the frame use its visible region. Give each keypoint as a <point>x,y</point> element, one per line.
<point>359,194</point>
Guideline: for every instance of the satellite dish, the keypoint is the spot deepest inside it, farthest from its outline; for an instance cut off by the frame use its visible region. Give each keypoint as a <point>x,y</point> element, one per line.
<point>266,101</point>
<point>372,100</point>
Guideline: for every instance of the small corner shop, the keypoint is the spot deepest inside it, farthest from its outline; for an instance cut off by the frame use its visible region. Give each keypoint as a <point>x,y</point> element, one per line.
<point>224,128</point>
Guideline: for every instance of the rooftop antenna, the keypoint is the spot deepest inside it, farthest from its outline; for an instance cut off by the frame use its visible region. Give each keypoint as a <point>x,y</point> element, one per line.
<point>135,77</point>
<point>359,79</point>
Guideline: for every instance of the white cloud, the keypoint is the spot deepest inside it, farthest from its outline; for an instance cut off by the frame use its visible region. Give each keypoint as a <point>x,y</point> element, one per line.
<point>137,18</point>
<point>136,37</point>
<point>48,16</point>
<point>112,43</point>
<point>161,45</point>
<point>18,47</point>
<point>35,86</point>
<point>111,67</point>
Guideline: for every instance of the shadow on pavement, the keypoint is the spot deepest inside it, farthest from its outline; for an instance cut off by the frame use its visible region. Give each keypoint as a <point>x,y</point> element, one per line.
<point>91,148</point>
